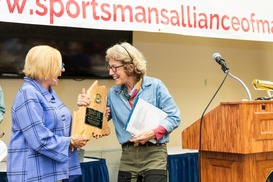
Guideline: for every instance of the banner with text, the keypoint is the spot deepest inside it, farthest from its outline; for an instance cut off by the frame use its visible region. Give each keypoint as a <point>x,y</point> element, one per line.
<point>231,19</point>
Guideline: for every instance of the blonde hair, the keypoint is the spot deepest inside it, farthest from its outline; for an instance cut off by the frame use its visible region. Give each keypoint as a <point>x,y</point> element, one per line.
<point>128,54</point>
<point>43,63</point>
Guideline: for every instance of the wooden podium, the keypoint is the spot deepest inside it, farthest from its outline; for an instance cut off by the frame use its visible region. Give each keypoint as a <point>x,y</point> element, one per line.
<point>236,142</point>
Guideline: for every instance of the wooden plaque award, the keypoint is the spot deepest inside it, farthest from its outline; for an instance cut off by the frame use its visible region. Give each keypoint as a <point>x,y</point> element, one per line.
<point>91,121</point>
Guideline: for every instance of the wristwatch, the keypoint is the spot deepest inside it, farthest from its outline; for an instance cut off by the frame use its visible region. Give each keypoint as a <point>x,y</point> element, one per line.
<point>72,141</point>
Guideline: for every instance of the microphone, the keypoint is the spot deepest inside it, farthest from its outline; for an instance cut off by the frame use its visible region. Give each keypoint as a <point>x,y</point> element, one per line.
<point>217,57</point>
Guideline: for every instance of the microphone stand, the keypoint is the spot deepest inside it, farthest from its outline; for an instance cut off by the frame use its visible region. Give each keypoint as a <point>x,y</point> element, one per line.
<point>226,71</point>
<point>244,85</point>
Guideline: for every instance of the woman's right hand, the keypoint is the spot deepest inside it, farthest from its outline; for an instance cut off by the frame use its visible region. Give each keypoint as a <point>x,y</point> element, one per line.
<point>83,99</point>
<point>77,141</point>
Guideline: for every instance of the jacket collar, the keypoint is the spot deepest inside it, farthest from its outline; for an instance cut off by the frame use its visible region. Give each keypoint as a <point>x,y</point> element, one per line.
<point>146,82</point>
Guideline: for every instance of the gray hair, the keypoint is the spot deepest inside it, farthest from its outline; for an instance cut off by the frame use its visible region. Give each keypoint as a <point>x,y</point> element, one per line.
<point>128,54</point>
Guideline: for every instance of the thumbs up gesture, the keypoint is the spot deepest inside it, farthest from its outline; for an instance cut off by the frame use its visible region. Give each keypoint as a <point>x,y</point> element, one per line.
<point>83,99</point>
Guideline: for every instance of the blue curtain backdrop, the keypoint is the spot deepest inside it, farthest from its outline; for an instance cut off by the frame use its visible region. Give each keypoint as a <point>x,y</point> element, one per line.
<point>183,167</point>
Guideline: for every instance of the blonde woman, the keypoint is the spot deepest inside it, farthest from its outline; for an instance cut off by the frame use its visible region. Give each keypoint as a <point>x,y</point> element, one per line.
<point>40,147</point>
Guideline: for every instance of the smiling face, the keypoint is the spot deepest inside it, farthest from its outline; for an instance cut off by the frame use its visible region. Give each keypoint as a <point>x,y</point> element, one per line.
<point>126,64</point>
<point>123,74</point>
<point>116,70</point>
<point>54,81</point>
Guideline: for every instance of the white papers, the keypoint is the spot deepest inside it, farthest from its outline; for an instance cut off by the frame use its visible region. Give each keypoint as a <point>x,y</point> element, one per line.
<point>144,116</point>
<point>3,150</point>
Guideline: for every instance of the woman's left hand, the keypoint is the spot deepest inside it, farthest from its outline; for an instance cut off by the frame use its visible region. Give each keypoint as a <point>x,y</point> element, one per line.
<point>107,113</point>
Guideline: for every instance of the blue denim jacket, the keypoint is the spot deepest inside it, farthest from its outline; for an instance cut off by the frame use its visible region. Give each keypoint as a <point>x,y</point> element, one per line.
<point>153,91</point>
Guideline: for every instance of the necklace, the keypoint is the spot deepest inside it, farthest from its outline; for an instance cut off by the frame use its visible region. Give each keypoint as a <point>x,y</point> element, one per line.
<point>133,92</point>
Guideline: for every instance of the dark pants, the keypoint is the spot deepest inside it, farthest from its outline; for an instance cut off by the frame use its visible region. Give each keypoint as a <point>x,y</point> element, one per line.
<point>147,176</point>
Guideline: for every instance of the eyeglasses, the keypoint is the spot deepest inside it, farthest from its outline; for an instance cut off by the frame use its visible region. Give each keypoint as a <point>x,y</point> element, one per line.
<point>63,65</point>
<point>114,68</point>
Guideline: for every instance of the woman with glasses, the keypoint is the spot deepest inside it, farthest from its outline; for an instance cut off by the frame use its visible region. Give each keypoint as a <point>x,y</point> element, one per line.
<point>141,159</point>
<point>41,148</point>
